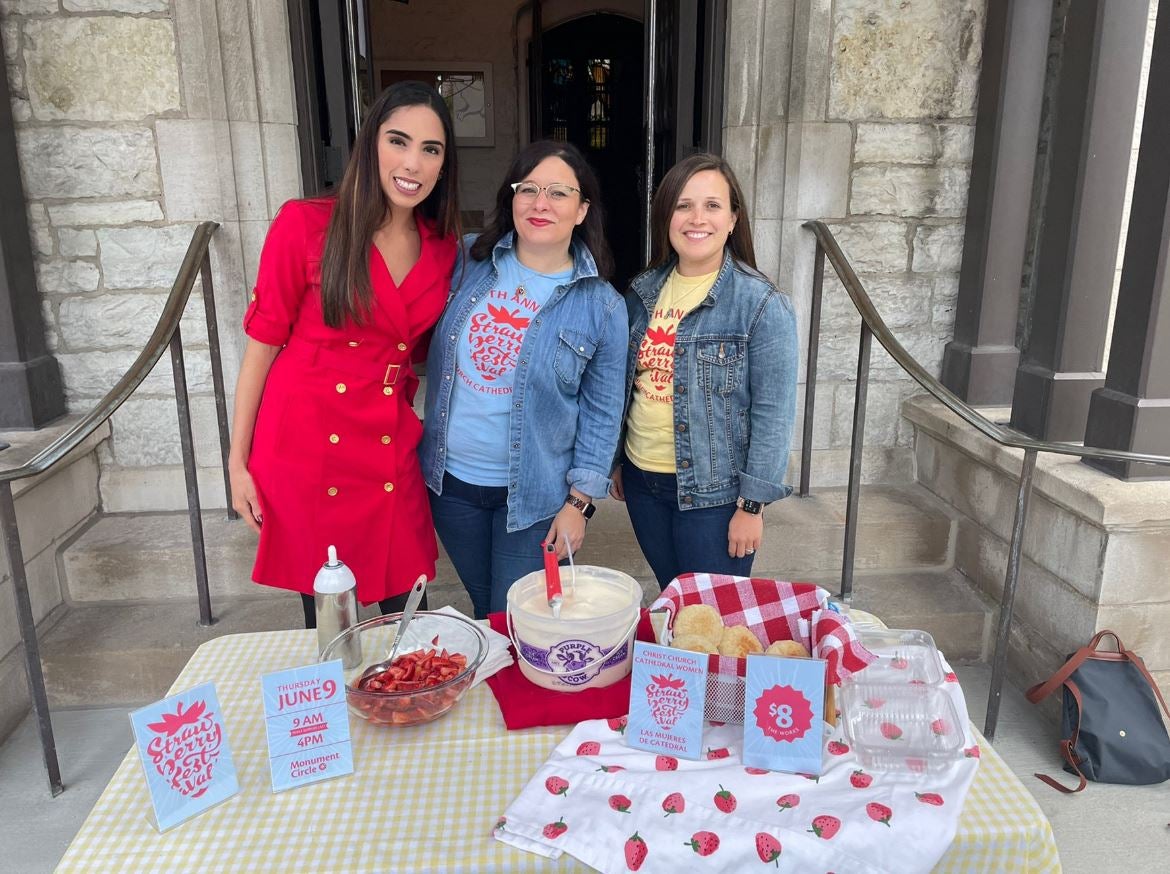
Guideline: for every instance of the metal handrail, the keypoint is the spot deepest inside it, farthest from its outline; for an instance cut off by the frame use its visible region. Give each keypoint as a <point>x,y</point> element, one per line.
<point>872,325</point>
<point>196,263</point>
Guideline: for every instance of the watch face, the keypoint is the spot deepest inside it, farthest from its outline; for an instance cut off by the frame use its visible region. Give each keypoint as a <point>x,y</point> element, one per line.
<point>589,510</point>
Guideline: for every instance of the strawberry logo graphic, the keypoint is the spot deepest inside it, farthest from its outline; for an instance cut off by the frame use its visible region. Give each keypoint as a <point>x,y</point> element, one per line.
<point>879,813</point>
<point>668,700</point>
<point>661,336</point>
<point>721,753</point>
<point>860,780</point>
<point>555,829</point>
<point>187,745</point>
<point>825,826</point>
<point>618,724</point>
<point>674,803</point>
<point>494,338</point>
<point>703,843</point>
<point>589,748</point>
<point>836,748</point>
<point>665,763</point>
<point>511,318</point>
<point>929,798</point>
<point>724,800</point>
<point>636,852</point>
<point>768,848</point>
<point>557,785</point>
<point>890,731</point>
<point>950,677</point>
<point>787,802</point>
<point>972,752</point>
<point>940,727</point>
<point>620,803</point>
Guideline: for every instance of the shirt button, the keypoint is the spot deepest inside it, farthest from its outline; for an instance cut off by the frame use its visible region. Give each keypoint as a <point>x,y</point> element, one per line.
<point>332,491</point>
<point>447,377</point>
<point>389,487</point>
<point>353,344</point>
<point>385,439</point>
<point>452,337</point>
<point>681,428</point>
<point>682,389</point>
<point>687,500</point>
<point>401,347</point>
<point>253,295</point>
<point>685,463</point>
<point>681,350</point>
<point>333,438</point>
<point>581,349</point>
<point>388,391</point>
<point>341,388</point>
<point>474,299</point>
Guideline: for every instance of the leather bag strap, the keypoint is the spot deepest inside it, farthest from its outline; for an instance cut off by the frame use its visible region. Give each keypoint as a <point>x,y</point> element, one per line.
<point>1067,749</point>
<point>1040,691</point>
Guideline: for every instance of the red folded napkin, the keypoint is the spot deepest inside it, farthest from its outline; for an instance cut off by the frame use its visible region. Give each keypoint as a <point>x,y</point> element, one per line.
<point>525,705</point>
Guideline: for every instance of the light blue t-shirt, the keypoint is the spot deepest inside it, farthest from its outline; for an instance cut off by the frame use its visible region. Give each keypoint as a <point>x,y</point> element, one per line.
<point>485,365</point>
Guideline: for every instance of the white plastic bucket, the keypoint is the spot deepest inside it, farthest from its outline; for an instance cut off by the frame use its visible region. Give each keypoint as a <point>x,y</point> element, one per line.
<point>590,645</point>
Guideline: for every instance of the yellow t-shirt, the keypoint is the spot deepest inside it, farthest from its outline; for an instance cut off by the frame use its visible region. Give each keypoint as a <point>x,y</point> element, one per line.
<point>650,427</point>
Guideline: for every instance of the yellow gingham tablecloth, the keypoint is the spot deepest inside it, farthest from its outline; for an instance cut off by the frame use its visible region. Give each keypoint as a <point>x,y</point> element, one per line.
<point>421,799</point>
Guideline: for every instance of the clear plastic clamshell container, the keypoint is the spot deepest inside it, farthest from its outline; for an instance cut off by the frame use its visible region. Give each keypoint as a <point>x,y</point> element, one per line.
<point>904,727</point>
<point>904,657</point>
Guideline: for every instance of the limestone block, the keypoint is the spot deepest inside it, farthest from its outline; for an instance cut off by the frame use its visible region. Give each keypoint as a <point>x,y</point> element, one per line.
<point>49,318</point>
<point>38,227</point>
<point>56,276</point>
<point>837,357</point>
<point>141,257</point>
<point>956,143</point>
<point>195,157</point>
<point>144,489</point>
<point>943,298</point>
<point>21,111</point>
<point>766,241</point>
<point>103,68</point>
<point>236,46</point>
<point>894,144</point>
<point>1135,562</point>
<point>874,246</point>
<point>28,7</point>
<point>273,61</point>
<point>745,20</point>
<point>882,413</point>
<point>901,300</point>
<point>56,504</point>
<point>282,165</point>
<point>823,416</point>
<point>823,175</point>
<point>770,171</point>
<point>73,162</point>
<point>118,321</point>
<point>107,212</point>
<point>901,58</point>
<point>131,6</point>
<point>739,148</point>
<point>1142,627</point>
<point>938,248</point>
<point>73,243</point>
<point>909,191</point>
<point>247,153</point>
<point>777,53</point>
<point>146,432</point>
<point>44,590</point>
<point>92,374</point>
<point>10,45</point>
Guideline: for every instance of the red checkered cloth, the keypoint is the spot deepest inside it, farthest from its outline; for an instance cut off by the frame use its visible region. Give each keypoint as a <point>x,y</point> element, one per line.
<point>773,610</point>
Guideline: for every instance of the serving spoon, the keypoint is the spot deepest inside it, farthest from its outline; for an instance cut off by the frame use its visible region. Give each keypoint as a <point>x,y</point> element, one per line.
<point>416,593</point>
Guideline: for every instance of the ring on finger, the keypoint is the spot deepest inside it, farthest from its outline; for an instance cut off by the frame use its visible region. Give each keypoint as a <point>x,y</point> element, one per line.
<point>749,551</point>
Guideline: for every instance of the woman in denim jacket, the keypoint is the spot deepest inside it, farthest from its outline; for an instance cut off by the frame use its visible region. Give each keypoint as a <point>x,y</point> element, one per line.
<point>525,378</point>
<point>710,382</point>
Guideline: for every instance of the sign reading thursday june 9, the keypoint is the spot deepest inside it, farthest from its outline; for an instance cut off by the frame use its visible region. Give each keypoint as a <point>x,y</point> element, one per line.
<point>184,751</point>
<point>308,725</point>
<point>668,689</point>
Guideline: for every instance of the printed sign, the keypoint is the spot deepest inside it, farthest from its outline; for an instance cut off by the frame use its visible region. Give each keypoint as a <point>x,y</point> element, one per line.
<point>668,688</point>
<point>308,725</point>
<point>783,713</point>
<point>184,751</point>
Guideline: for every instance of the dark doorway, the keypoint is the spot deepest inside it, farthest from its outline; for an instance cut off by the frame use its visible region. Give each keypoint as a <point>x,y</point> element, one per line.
<point>591,96</point>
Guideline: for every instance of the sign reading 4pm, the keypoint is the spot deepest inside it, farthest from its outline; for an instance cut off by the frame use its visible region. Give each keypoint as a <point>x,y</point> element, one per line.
<point>308,725</point>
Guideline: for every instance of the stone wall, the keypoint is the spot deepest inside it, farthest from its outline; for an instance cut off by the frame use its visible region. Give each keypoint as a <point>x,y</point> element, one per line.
<point>861,113</point>
<point>137,119</point>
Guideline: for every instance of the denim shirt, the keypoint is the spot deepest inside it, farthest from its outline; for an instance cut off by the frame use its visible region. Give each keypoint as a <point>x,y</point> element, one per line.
<point>567,391</point>
<point>735,371</point>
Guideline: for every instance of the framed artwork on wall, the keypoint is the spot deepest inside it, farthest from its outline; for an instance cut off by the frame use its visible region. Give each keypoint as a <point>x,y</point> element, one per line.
<point>466,86</point>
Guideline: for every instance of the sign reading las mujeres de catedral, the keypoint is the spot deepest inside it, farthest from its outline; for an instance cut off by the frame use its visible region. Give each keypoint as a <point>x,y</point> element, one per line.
<point>783,714</point>
<point>308,725</point>
<point>668,689</point>
<point>184,751</point>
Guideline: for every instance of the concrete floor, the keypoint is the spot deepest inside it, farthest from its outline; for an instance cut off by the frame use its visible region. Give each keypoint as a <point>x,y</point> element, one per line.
<point>1104,829</point>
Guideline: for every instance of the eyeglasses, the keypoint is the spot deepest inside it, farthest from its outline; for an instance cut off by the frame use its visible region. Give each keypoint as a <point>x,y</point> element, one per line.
<point>556,192</point>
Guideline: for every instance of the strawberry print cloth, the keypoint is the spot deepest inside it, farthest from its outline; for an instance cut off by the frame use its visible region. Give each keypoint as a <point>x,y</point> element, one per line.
<point>619,809</point>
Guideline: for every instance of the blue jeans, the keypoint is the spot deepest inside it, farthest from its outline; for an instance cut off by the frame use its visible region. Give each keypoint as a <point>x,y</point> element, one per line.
<point>471,521</point>
<point>676,541</point>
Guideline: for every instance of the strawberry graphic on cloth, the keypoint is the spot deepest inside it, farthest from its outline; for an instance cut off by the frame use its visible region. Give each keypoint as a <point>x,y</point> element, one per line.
<point>768,848</point>
<point>704,843</point>
<point>724,800</point>
<point>929,798</point>
<point>557,785</point>
<point>555,829</point>
<point>668,699</point>
<point>186,748</point>
<point>787,802</point>
<point>494,338</point>
<point>879,813</point>
<point>655,369</point>
<point>636,851</point>
<point>674,803</point>
<point>825,826</point>
<point>620,803</point>
<point>860,780</point>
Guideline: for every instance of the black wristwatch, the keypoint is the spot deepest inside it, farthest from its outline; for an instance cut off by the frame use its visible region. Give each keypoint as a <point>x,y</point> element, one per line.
<point>748,506</point>
<point>587,509</point>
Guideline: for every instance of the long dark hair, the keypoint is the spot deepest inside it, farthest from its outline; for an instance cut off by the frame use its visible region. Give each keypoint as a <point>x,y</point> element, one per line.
<point>361,205</point>
<point>666,198</point>
<point>591,231</point>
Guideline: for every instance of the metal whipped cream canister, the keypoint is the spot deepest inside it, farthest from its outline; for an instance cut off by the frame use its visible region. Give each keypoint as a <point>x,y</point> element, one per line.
<point>335,598</point>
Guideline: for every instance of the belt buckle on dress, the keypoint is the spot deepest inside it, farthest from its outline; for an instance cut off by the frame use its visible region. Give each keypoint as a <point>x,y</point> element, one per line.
<point>391,376</point>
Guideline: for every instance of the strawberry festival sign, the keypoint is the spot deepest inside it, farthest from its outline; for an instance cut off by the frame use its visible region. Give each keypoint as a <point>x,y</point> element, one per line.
<point>668,688</point>
<point>184,751</point>
<point>307,722</point>
<point>783,713</point>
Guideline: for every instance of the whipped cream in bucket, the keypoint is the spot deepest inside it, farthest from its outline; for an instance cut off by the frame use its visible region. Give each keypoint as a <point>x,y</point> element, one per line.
<point>589,646</point>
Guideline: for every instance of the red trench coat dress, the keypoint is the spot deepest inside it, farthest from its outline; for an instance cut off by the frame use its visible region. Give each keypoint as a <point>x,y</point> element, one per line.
<point>333,453</point>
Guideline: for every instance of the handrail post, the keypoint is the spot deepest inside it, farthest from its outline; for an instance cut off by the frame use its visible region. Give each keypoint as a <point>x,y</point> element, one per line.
<point>1008,599</point>
<point>810,371</point>
<point>28,638</point>
<point>856,450</point>
<point>217,378</point>
<point>194,512</point>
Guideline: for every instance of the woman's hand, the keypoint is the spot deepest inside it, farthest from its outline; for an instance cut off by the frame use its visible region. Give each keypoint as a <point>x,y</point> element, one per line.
<point>244,498</point>
<point>744,533</point>
<point>568,525</point>
<point>615,488</point>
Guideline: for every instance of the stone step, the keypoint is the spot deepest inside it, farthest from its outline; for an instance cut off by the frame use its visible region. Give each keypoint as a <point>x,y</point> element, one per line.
<point>147,557</point>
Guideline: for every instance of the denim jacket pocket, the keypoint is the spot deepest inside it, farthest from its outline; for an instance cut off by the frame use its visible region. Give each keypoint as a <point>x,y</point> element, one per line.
<point>573,352</point>
<point>721,364</point>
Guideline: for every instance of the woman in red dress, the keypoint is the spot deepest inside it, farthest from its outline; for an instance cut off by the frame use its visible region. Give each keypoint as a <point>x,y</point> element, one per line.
<point>324,435</point>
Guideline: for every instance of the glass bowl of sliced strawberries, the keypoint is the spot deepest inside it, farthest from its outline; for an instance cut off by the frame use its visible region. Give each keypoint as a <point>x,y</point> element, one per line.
<point>435,664</point>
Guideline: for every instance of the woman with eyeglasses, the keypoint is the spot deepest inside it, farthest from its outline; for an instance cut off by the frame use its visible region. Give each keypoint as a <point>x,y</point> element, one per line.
<point>324,437</point>
<point>525,378</point>
<point>711,381</point>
